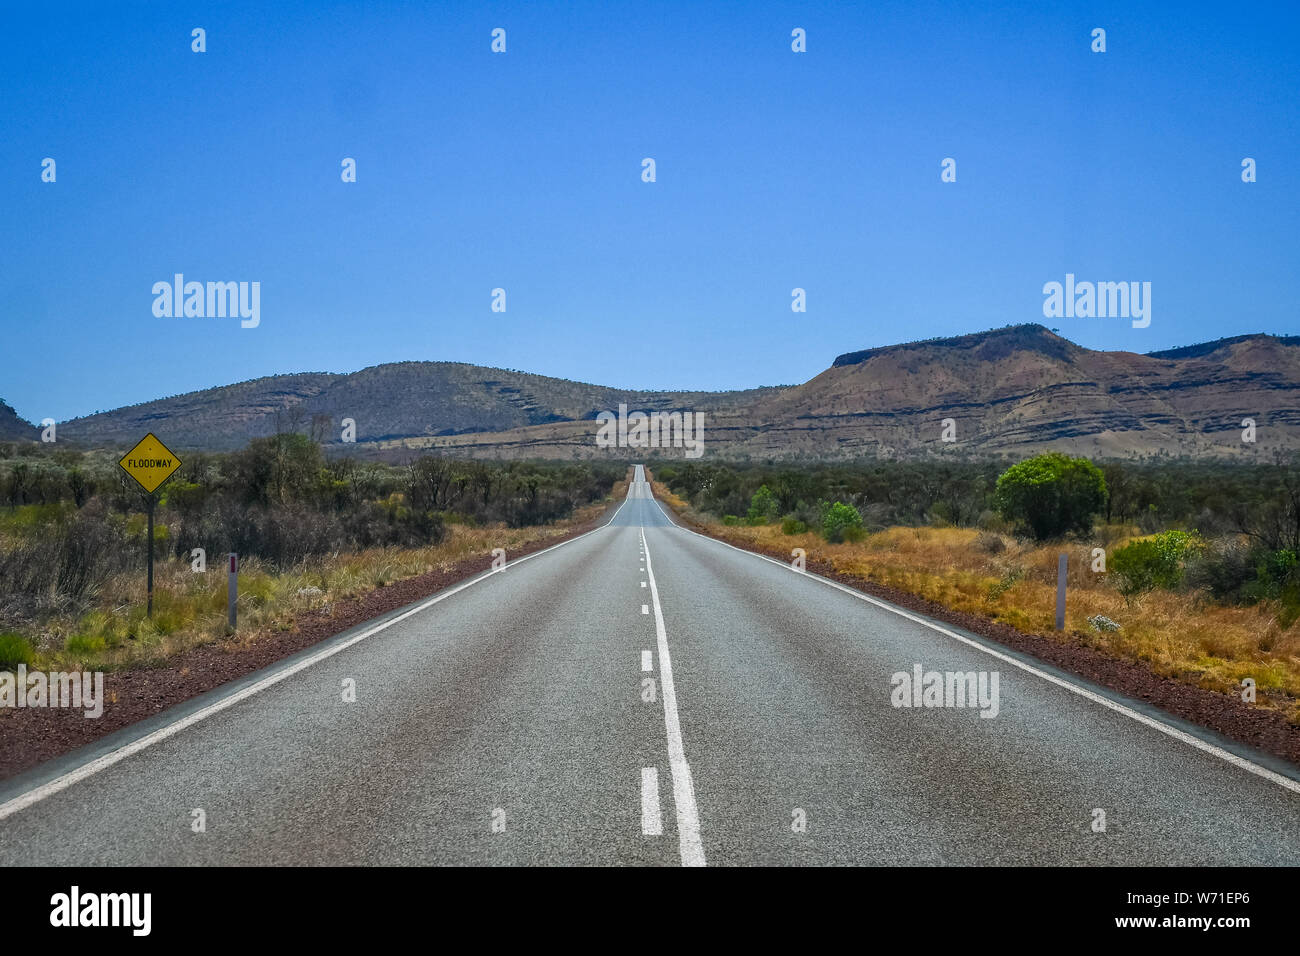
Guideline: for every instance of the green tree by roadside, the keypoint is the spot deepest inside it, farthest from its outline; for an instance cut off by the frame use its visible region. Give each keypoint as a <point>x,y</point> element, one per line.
<point>1051,495</point>
<point>840,521</point>
<point>763,507</point>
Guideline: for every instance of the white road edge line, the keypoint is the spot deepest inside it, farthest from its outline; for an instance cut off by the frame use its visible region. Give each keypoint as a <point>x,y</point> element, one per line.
<point>103,762</point>
<point>652,821</point>
<point>688,817</point>
<point>1189,739</point>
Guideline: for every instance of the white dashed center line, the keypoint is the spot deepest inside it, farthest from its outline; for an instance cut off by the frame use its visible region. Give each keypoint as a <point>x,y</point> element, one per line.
<point>688,817</point>
<point>652,821</point>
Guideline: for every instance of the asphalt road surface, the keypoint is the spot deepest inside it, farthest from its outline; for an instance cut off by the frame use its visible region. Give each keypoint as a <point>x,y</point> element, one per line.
<point>645,695</point>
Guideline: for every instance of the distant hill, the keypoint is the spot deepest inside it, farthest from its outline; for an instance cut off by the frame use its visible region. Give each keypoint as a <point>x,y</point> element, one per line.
<point>13,428</point>
<point>394,401</point>
<point>1205,348</point>
<point>1015,390</point>
<point>1023,389</point>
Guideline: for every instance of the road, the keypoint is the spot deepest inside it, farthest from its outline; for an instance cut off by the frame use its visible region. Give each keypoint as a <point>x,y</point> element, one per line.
<point>645,695</point>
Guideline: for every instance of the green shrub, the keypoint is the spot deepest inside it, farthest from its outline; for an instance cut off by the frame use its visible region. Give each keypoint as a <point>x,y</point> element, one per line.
<point>1277,578</point>
<point>1051,495</point>
<point>838,519</point>
<point>14,650</point>
<point>1156,562</point>
<point>763,507</point>
<point>1274,570</point>
<point>1137,567</point>
<point>792,525</point>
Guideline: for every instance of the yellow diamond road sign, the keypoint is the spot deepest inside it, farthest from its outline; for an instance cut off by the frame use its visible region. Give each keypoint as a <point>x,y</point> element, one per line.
<point>150,463</point>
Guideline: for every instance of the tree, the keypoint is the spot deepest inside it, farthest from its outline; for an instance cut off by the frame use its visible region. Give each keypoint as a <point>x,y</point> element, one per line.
<point>428,483</point>
<point>277,469</point>
<point>763,507</point>
<point>1122,492</point>
<point>839,520</point>
<point>1275,521</point>
<point>1051,495</point>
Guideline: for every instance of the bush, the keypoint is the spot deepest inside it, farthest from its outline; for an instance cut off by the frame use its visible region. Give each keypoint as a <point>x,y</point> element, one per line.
<point>763,507</point>
<point>1274,571</point>
<point>1051,495</point>
<point>15,650</point>
<point>839,520</point>
<point>1225,571</point>
<point>1274,576</point>
<point>1137,567</point>
<point>990,543</point>
<point>1153,562</point>
<point>792,525</point>
<point>69,558</point>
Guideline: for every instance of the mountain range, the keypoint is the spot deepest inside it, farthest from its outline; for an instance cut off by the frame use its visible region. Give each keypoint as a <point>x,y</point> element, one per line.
<point>1010,391</point>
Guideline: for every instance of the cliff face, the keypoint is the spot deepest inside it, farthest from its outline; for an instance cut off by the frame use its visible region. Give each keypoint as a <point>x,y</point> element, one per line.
<point>1024,389</point>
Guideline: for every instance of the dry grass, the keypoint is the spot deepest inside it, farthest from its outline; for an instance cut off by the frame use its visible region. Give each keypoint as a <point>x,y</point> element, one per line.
<point>1179,635</point>
<point>190,608</point>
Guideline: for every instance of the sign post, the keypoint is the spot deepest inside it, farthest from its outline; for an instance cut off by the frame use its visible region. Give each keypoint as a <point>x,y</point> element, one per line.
<point>149,607</point>
<point>150,463</point>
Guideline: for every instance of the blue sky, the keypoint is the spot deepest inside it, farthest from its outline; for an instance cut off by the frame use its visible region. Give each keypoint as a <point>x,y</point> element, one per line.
<point>522,170</point>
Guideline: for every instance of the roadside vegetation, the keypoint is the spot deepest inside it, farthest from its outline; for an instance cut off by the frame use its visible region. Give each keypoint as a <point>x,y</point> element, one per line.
<point>309,530</point>
<point>1197,576</point>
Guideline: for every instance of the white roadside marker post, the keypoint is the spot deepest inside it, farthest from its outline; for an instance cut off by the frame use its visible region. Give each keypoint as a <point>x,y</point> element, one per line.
<point>1061,563</point>
<point>232,588</point>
